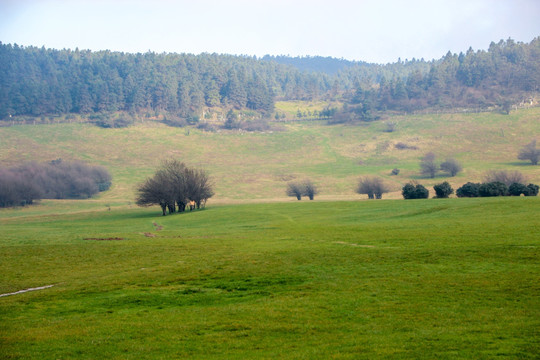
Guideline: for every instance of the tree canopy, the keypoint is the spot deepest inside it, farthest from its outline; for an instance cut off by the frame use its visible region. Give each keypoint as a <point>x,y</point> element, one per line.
<point>27,182</point>
<point>39,81</point>
<point>173,186</point>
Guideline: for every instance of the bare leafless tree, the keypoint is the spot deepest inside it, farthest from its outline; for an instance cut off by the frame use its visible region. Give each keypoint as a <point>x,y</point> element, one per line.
<point>199,186</point>
<point>506,177</point>
<point>428,167</point>
<point>372,186</point>
<point>452,166</point>
<point>155,191</point>
<point>530,152</point>
<point>294,188</point>
<point>53,180</point>
<point>175,185</point>
<point>309,189</point>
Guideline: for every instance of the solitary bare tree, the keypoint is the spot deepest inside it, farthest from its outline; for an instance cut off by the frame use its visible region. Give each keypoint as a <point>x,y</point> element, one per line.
<point>428,167</point>
<point>373,186</point>
<point>451,166</point>
<point>530,152</point>
<point>506,177</point>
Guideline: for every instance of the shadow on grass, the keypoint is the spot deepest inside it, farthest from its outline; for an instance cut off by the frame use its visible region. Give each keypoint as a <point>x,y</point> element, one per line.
<point>519,164</point>
<point>151,213</point>
<point>437,176</point>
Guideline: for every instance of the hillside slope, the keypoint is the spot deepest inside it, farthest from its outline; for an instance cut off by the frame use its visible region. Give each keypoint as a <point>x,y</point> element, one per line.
<point>257,166</point>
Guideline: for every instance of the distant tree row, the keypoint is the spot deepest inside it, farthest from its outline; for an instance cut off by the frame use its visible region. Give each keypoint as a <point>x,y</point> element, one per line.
<point>26,183</point>
<point>174,186</point>
<point>497,183</point>
<point>506,74</point>
<point>38,81</point>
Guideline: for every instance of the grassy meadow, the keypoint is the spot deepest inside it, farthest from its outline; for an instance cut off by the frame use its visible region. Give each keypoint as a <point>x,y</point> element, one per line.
<point>257,166</point>
<point>423,279</point>
<point>260,275</point>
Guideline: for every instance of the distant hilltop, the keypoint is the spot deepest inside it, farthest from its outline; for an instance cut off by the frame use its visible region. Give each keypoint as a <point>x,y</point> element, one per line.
<point>39,82</point>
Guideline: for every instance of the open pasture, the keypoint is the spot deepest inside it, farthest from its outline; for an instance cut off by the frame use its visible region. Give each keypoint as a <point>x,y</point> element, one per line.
<point>423,279</point>
<point>257,166</point>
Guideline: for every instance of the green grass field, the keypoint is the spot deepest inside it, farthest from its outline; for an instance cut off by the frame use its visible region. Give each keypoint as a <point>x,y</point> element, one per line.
<point>419,279</point>
<point>257,275</point>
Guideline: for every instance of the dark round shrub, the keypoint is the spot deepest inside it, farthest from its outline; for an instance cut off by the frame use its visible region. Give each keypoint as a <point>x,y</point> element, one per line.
<point>468,190</point>
<point>533,189</point>
<point>443,190</point>
<point>516,189</point>
<point>412,191</point>
<point>408,191</point>
<point>491,189</point>
<point>421,192</point>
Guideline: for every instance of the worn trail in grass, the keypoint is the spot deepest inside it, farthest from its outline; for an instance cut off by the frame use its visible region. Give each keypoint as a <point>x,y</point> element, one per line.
<point>454,278</point>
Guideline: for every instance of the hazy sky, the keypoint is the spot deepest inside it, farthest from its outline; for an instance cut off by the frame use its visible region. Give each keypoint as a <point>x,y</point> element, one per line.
<point>368,30</point>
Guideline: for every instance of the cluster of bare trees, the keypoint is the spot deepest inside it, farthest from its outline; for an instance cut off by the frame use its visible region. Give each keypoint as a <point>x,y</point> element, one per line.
<point>372,186</point>
<point>302,188</point>
<point>175,186</point>
<point>22,185</point>
<point>429,168</point>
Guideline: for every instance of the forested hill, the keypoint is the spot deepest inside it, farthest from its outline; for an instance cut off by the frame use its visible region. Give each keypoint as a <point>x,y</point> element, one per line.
<point>38,81</point>
<point>507,73</point>
<point>333,66</point>
<point>328,65</point>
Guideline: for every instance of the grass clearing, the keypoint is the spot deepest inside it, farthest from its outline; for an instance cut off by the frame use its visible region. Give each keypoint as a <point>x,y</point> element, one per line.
<point>449,278</point>
<point>271,278</point>
<point>257,166</point>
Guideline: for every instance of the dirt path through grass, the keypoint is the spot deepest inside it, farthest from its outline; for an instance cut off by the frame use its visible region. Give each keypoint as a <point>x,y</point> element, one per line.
<point>27,290</point>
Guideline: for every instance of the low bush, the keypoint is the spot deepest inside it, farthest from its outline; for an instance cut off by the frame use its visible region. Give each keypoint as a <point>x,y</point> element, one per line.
<point>174,121</point>
<point>468,190</point>
<point>57,179</point>
<point>491,189</point>
<point>414,191</point>
<point>517,189</point>
<point>443,190</point>
<point>403,146</point>
<point>533,189</point>
<point>111,121</point>
<point>204,126</point>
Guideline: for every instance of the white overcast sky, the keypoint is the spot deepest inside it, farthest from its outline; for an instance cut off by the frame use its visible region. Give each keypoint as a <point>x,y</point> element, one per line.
<point>368,30</point>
